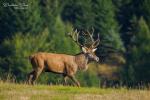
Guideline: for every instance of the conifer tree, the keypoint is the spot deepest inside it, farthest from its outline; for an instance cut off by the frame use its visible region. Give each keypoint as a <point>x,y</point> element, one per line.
<point>79,13</point>
<point>19,19</point>
<point>105,23</point>
<point>138,51</point>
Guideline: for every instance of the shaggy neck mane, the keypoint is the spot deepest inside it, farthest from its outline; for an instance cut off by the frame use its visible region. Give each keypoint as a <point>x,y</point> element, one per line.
<point>81,60</point>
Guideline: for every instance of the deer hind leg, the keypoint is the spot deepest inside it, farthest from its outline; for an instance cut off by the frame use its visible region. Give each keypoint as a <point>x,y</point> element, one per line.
<point>75,80</point>
<point>38,66</point>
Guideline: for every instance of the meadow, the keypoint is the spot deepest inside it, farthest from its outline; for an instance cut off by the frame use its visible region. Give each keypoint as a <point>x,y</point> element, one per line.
<point>14,91</point>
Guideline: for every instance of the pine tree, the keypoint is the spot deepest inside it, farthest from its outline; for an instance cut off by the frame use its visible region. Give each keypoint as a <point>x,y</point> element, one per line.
<point>141,51</point>
<point>61,42</point>
<point>142,8</point>
<point>50,9</point>
<point>79,13</point>
<point>138,52</point>
<point>124,13</point>
<point>14,52</point>
<point>20,19</point>
<point>106,24</point>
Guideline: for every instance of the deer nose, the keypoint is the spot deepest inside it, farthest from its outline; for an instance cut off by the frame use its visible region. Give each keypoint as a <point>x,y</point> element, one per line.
<point>97,59</point>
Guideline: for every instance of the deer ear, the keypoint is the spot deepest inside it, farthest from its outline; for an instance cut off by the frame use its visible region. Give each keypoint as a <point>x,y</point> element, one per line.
<point>93,50</point>
<point>84,50</point>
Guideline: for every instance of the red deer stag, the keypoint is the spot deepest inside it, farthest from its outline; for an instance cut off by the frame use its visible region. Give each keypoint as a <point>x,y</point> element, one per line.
<point>64,64</point>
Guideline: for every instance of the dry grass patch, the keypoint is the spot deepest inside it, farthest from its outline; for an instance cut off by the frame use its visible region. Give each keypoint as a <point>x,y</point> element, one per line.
<point>11,91</point>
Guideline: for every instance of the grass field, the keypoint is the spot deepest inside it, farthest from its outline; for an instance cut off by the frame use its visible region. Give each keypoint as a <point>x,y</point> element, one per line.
<point>11,91</point>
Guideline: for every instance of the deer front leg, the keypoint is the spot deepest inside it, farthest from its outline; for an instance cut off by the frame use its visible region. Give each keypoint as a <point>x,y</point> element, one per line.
<point>75,80</point>
<point>29,77</point>
<point>36,75</point>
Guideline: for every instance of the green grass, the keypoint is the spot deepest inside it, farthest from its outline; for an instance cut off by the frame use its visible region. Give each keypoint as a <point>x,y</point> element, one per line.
<point>12,91</point>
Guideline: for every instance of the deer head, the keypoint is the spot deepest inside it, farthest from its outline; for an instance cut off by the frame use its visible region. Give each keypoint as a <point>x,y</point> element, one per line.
<point>89,51</point>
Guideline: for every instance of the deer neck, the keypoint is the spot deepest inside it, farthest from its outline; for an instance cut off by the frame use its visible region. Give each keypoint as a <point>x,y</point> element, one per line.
<point>82,61</point>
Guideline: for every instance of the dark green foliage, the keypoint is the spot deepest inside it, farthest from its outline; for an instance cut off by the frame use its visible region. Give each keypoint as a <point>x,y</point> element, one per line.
<point>142,8</point>
<point>105,23</point>
<point>124,12</point>
<point>15,52</point>
<point>49,10</point>
<point>138,53</point>
<point>79,13</point>
<point>62,42</point>
<point>15,19</point>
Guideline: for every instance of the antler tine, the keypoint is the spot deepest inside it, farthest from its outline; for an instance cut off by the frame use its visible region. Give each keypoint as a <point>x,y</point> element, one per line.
<point>76,33</point>
<point>91,34</point>
<point>92,30</point>
<point>96,43</point>
<point>75,36</point>
<point>70,33</point>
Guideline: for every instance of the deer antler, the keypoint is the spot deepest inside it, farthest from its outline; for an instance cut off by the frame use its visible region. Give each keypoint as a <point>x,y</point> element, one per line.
<point>89,34</point>
<point>75,36</point>
<point>96,43</point>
